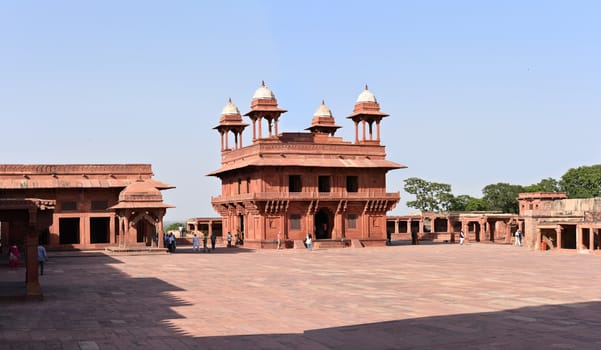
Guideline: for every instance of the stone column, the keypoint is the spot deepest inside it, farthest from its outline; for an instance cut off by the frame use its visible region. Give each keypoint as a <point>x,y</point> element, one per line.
<point>254,129</point>
<point>260,122</point>
<point>396,225</point>
<point>337,229</point>
<point>558,230</point>
<point>356,132</point>
<point>378,130</point>
<point>161,244</point>
<point>125,232</point>
<point>538,239</point>
<point>222,148</point>
<point>112,229</point>
<point>363,124</point>
<point>591,239</point>
<point>578,237</point>
<point>33,289</point>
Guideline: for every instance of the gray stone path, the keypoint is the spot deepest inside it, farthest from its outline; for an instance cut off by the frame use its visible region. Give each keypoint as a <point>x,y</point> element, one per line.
<point>443,296</point>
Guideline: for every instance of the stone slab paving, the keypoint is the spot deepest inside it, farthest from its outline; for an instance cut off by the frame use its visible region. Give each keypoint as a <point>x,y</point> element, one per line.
<point>446,296</point>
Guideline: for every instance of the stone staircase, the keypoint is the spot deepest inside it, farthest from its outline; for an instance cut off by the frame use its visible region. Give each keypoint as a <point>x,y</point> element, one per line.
<point>331,243</point>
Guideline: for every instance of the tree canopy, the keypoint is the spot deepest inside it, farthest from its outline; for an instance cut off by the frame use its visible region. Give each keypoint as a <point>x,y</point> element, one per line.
<point>175,226</point>
<point>502,196</point>
<point>429,196</point>
<point>464,202</point>
<point>582,182</point>
<point>545,185</point>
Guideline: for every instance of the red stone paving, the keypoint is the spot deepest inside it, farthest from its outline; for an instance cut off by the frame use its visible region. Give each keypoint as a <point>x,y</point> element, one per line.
<point>475,296</point>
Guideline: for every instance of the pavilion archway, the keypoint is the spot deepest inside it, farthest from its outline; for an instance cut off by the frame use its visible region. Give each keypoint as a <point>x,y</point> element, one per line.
<point>324,222</point>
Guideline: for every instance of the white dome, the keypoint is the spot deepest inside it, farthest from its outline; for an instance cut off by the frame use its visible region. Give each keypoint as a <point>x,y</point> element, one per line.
<point>366,96</point>
<point>263,92</point>
<point>230,109</point>
<point>323,111</point>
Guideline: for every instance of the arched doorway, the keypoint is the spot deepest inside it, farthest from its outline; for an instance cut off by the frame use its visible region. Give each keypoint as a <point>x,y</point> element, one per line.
<point>323,224</point>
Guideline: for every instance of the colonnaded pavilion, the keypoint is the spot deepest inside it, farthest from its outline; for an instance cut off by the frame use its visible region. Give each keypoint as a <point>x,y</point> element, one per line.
<point>299,183</point>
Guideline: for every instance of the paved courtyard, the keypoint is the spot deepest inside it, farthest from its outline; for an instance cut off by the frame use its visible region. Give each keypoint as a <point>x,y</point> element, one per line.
<point>445,296</point>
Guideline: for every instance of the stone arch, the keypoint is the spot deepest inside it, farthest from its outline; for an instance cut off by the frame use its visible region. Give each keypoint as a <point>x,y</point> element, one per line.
<point>324,223</point>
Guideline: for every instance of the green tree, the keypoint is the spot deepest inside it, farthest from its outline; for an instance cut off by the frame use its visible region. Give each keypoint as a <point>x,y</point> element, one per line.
<point>502,196</point>
<point>545,185</point>
<point>582,182</point>
<point>467,203</point>
<point>429,196</point>
<point>175,226</point>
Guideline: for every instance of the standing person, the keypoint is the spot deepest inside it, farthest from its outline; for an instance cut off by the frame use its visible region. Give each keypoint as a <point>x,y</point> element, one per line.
<point>195,243</point>
<point>518,238</point>
<point>309,242</point>
<point>171,239</point>
<point>461,237</point>
<point>229,240</point>
<point>13,256</point>
<point>279,238</point>
<point>204,242</point>
<point>42,256</point>
<point>413,237</point>
<point>213,240</point>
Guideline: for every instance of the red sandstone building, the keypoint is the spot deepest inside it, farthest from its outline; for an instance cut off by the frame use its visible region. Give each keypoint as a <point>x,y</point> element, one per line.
<point>306,182</point>
<point>78,207</point>
<point>552,221</point>
<point>479,226</point>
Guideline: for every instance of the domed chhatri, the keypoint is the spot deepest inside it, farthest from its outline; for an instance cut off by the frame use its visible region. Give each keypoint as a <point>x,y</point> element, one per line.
<point>365,114</point>
<point>264,109</point>
<point>263,93</point>
<point>140,191</point>
<point>230,109</point>
<point>366,96</point>
<point>323,121</point>
<point>230,121</point>
<point>323,111</point>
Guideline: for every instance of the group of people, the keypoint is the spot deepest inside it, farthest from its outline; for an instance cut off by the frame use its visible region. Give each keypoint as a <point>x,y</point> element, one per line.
<point>518,237</point>
<point>169,242</point>
<point>204,238</point>
<point>14,255</point>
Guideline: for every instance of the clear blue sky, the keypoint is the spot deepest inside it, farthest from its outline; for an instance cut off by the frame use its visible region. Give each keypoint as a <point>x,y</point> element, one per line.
<point>479,92</point>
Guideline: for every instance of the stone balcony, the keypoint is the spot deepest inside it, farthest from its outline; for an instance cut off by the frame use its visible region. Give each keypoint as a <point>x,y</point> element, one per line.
<point>308,196</point>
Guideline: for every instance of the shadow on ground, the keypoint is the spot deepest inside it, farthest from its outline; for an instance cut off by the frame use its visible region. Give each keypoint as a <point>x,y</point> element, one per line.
<point>93,305</point>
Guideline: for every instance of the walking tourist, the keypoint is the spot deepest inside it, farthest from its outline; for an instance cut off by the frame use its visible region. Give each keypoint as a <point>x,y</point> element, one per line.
<point>171,242</point>
<point>204,241</point>
<point>195,243</point>
<point>229,240</point>
<point>42,256</point>
<point>13,256</point>
<point>309,242</point>
<point>461,237</point>
<point>279,238</point>
<point>518,238</point>
<point>213,240</point>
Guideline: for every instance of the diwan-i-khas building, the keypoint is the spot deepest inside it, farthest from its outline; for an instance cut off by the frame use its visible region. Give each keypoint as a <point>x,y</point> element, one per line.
<point>299,183</point>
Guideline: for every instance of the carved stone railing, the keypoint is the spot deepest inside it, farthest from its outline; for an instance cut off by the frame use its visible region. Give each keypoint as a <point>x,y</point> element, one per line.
<point>307,196</point>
